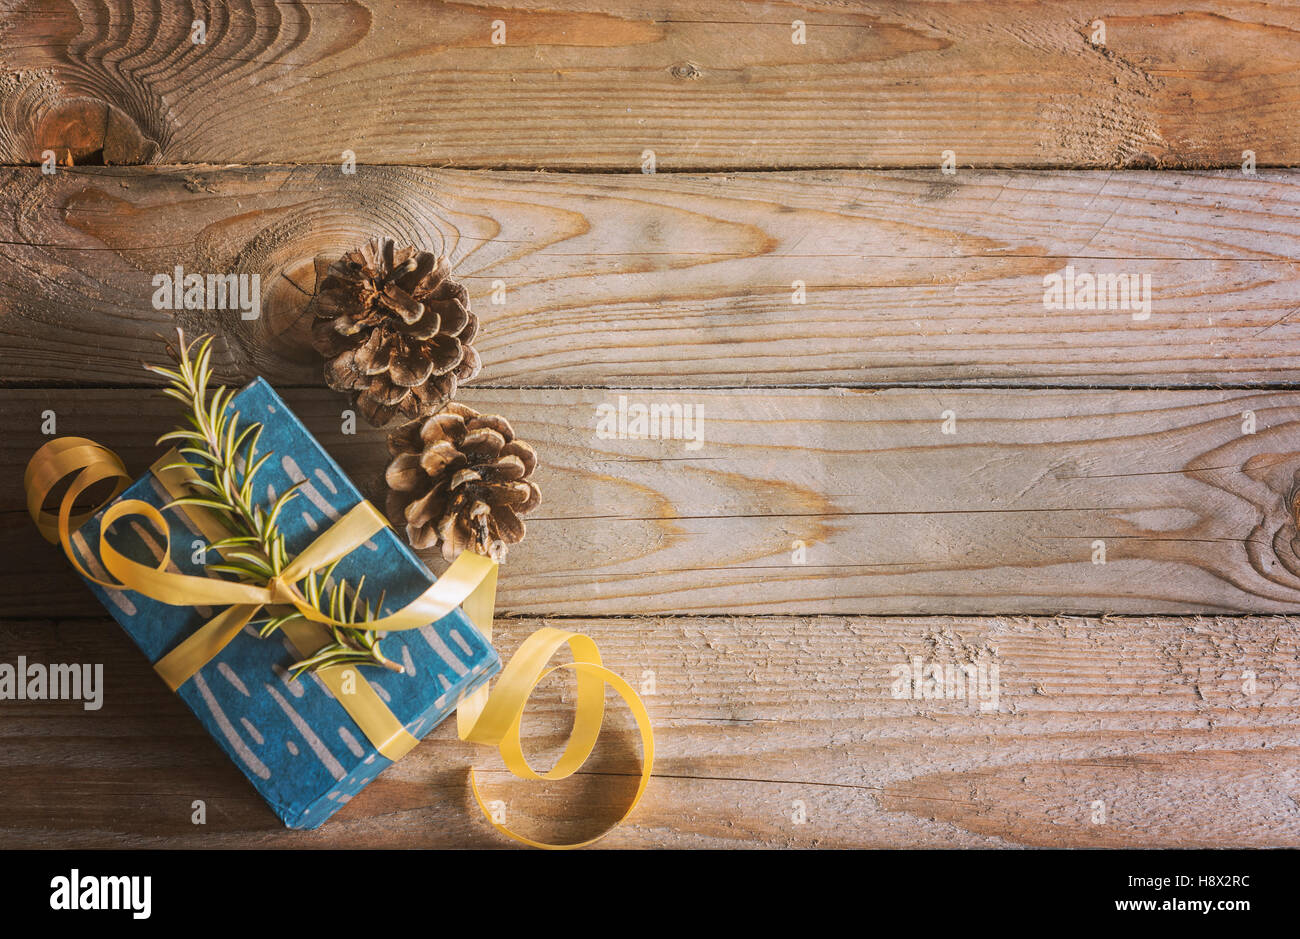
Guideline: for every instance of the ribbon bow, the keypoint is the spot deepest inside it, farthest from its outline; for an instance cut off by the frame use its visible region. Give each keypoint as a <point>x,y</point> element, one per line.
<point>470,582</point>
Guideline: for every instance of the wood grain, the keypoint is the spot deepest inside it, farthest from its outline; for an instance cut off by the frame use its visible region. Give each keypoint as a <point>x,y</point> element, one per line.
<point>910,277</point>
<point>1149,716</point>
<point>894,515</point>
<point>705,85</point>
<point>730,582</point>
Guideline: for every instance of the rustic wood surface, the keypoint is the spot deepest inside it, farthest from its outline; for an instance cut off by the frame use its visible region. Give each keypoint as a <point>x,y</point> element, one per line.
<point>759,588</point>
<point>680,280</point>
<point>705,85</point>
<point>895,516</point>
<point>753,717</point>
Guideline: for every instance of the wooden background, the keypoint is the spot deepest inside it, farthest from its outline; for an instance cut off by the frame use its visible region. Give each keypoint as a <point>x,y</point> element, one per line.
<point>1164,683</point>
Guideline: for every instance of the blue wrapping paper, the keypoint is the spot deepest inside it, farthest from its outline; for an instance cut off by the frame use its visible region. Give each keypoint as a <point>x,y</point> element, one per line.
<point>296,744</point>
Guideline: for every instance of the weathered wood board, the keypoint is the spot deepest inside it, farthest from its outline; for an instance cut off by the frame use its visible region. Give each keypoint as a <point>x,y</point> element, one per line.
<point>850,278</point>
<point>758,722</point>
<point>704,85</point>
<point>824,501</point>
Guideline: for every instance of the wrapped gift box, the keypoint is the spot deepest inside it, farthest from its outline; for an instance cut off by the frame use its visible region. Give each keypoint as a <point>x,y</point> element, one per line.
<point>292,739</point>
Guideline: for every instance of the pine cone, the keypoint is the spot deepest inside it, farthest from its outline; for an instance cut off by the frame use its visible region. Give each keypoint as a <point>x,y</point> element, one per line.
<point>462,479</point>
<point>395,331</point>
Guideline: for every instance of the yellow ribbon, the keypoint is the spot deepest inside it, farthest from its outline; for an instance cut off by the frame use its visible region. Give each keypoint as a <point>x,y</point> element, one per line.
<point>470,582</point>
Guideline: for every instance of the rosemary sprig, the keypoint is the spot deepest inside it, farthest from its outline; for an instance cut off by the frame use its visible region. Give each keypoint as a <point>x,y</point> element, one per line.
<point>223,456</point>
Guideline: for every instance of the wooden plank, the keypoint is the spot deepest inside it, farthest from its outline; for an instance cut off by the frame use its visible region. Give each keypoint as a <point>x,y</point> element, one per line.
<point>1151,717</point>
<point>909,277</point>
<point>705,85</point>
<point>894,515</point>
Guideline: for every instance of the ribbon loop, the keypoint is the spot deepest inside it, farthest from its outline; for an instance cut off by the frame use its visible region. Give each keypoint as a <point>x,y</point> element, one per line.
<point>494,719</point>
<point>644,728</point>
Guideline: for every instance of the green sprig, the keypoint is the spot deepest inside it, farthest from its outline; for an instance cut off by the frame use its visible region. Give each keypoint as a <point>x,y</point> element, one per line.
<point>223,455</point>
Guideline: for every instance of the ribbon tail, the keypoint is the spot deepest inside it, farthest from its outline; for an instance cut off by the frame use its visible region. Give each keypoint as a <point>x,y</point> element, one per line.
<point>480,607</point>
<point>646,732</point>
<point>357,696</point>
<point>201,646</point>
<point>493,718</point>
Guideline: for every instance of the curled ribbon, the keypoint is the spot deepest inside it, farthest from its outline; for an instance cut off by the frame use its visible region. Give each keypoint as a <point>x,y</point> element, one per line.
<point>470,582</point>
